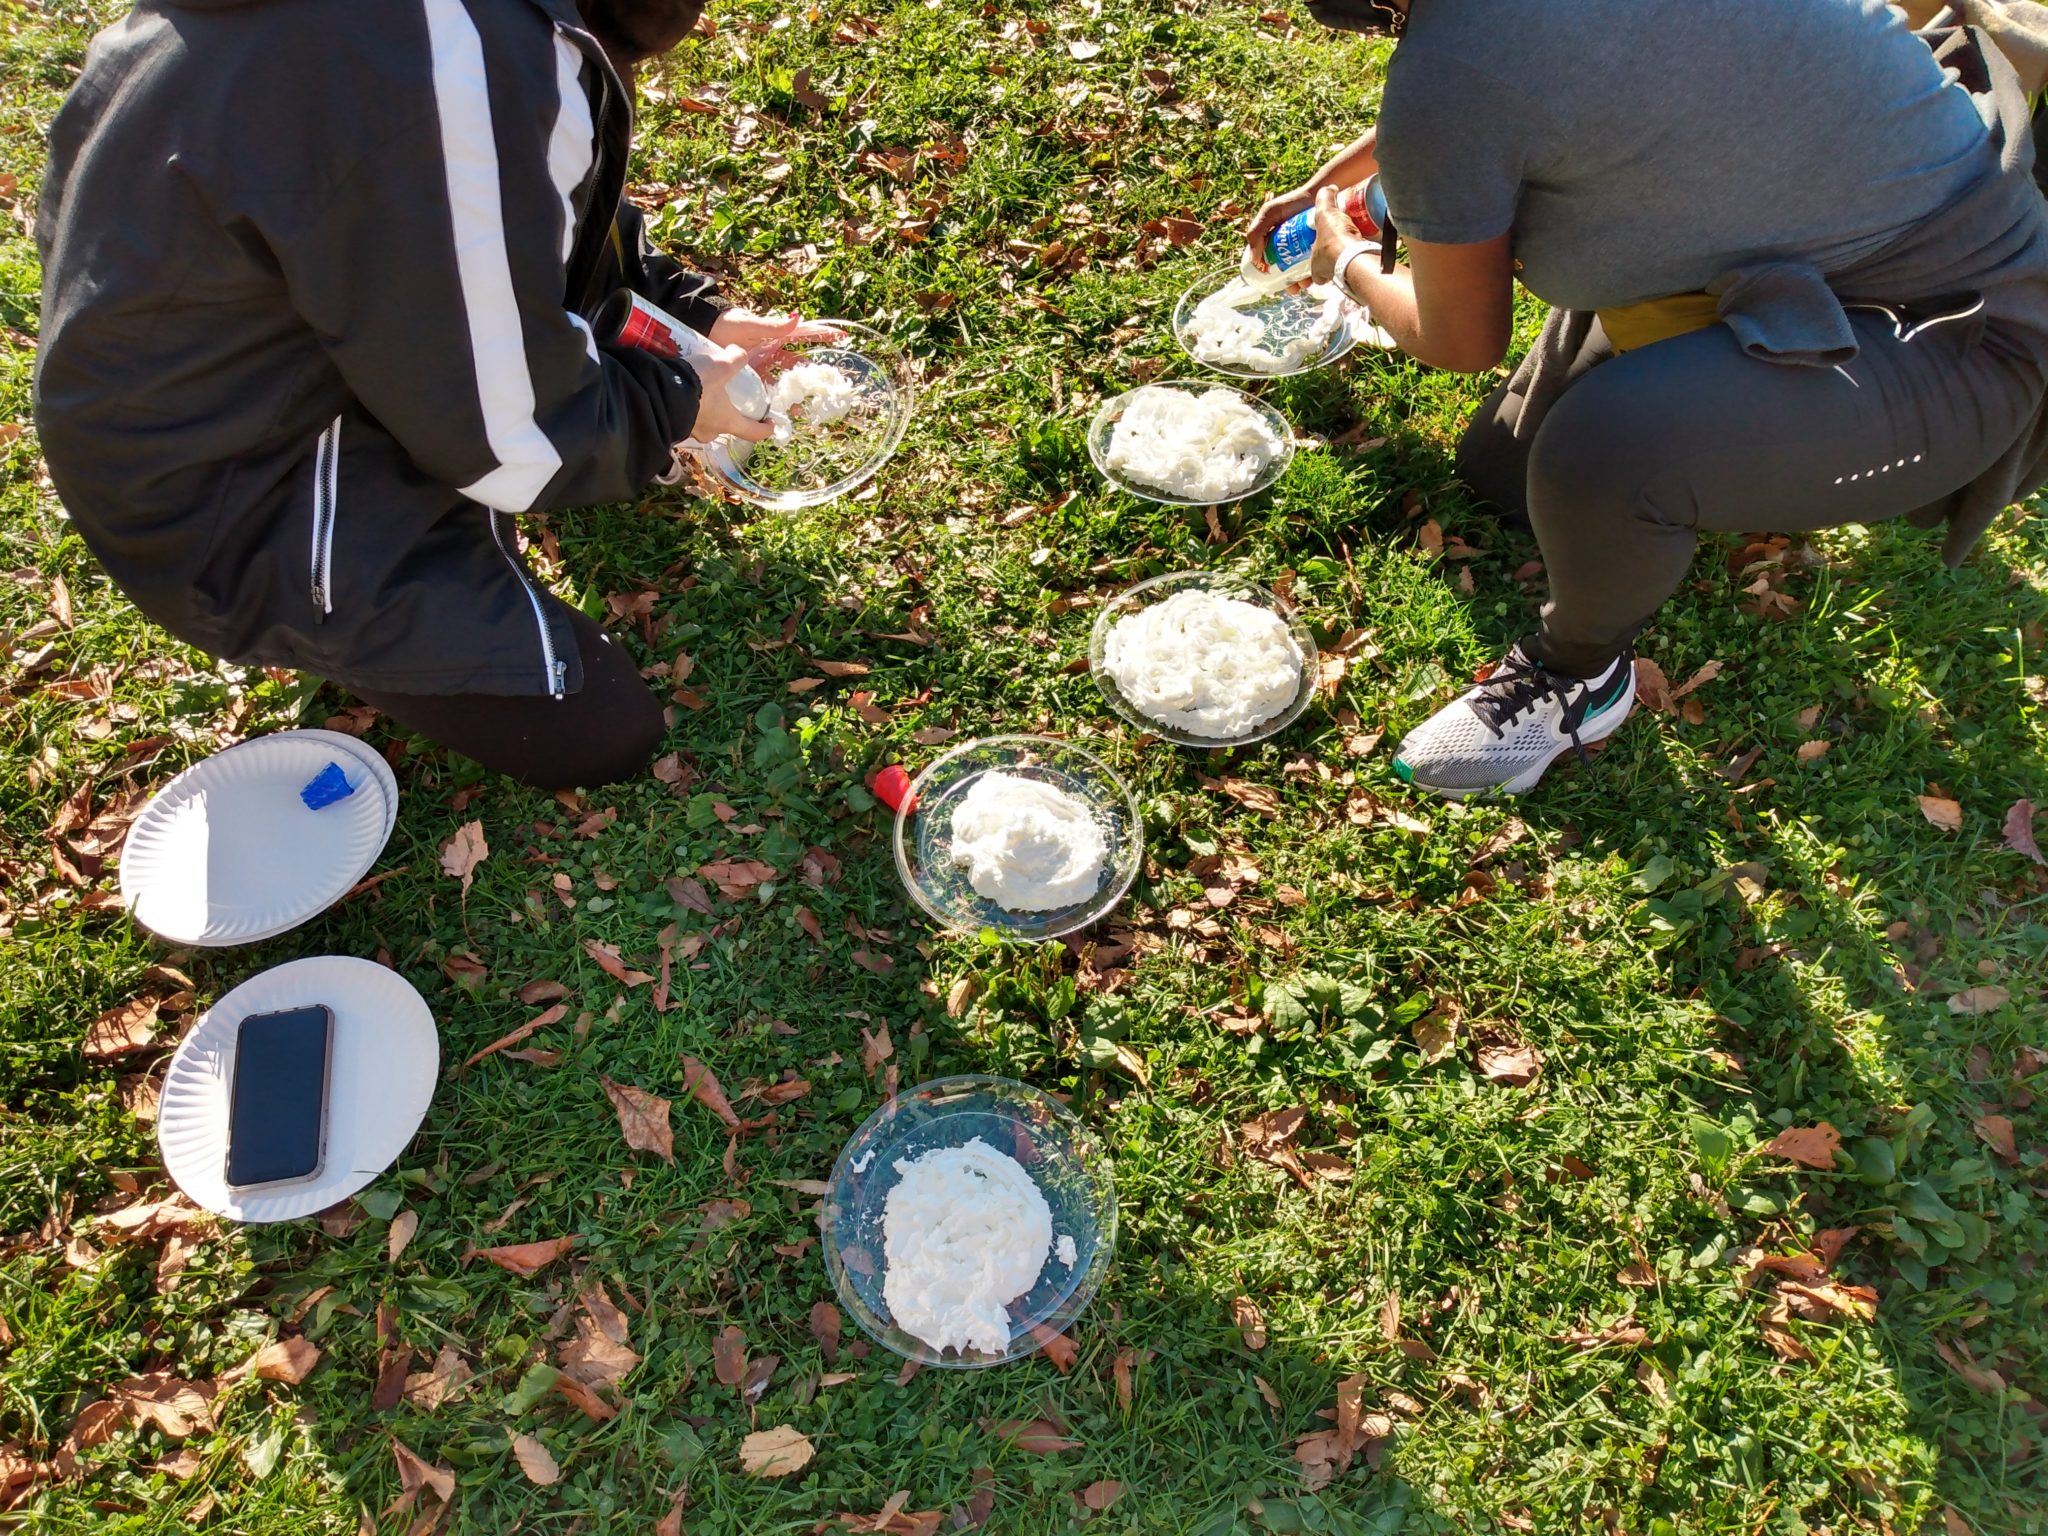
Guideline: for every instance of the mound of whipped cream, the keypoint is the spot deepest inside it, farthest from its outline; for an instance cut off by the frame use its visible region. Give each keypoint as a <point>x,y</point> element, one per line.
<point>1204,447</point>
<point>965,1231</point>
<point>1208,665</point>
<point>811,395</point>
<point>1221,332</point>
<point>1027,846</point>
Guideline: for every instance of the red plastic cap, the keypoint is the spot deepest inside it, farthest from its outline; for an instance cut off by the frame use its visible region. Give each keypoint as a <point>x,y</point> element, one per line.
<point>891,786</point>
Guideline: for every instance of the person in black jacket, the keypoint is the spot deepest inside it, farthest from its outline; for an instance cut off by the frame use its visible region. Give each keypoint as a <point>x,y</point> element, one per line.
<point>318,285</point>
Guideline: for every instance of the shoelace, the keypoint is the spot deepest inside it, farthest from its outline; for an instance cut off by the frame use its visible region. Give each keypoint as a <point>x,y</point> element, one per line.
<point>1518,685</point>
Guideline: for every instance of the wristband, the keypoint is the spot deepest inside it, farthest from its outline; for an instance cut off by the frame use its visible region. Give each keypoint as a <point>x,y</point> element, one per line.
<point>1349,252</point>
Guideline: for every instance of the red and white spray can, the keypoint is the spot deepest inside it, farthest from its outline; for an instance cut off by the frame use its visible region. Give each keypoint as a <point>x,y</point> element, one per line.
<point>628,320</point>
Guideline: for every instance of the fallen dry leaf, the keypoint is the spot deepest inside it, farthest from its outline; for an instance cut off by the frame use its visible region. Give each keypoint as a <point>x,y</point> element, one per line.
<point>1436,1034</point>
<point>178,1408</point>
<point>1653,689</point>
<point>1978,1378</point>
<point>1253,797</point>
<point>729,1356</point>
<point>1624,1333</point>
<point>427,1390</point>
<point>1942,812</point>
<point>1515,1065</point>
<point>1984,999</point>
<point>534,993</point>
<point>775,1452</point>
<point>1809,750</point>
<point>1039,1437</point>
<point>123,1030</point>
<point>1099,1496</point>
<point>643,1119</point>
<point>1249,1321</point>
<point>608,961</point>
<point>416,1475</point>
<point>1812,1146</point>
<point>1819,1300</point>
<point>736,878</point>
<point>535,1461</point>
<point>403,1226</point>
<point>553,1015</point>
<point>599,1355</point>
<point>523,1258</point>
<point>701,1084</point>
<point>286,1360</point>
<point>1995,1131</point>
<point>825,1326</point>
<point>2019,831</point>
<point>463,851</point>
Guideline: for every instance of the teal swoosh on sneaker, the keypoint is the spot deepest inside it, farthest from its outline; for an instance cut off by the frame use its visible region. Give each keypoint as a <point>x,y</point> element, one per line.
<point>1404,771</point>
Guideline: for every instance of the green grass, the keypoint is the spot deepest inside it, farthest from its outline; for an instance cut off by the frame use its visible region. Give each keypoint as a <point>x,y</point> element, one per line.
<point>1684,1014</point>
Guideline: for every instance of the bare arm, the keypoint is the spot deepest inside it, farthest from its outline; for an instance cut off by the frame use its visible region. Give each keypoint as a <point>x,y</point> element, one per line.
<point>1347,168</point>
<point>1451,306</point>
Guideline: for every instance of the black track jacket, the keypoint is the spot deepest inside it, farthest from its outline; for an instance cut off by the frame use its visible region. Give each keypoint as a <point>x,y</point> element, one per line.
<point>316,275</point>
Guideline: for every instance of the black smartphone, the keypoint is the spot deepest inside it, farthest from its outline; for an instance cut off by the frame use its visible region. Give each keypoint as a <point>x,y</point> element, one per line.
<point>277,1104</point>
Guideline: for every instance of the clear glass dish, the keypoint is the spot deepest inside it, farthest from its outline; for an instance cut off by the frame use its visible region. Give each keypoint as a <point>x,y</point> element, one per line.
<point>820,466</point>
<point>1070,1165</point>
<point>1282,318</point>
<point>1157,590</point>
<point>924,833</point>
<point>1102,434</point>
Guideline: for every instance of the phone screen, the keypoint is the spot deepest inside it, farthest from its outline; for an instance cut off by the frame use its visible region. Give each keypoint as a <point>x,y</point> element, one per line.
<point>277,1112</point>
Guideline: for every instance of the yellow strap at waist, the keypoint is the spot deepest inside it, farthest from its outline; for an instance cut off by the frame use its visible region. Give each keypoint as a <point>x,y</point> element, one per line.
<point>1637,325</point>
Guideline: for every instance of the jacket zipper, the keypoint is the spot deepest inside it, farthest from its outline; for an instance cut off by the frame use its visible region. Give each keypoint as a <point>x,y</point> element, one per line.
<point>326,487</point>
<point>557,669</point>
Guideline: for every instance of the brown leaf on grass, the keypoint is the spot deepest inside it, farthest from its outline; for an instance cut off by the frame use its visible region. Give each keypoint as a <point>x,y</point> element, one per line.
<point>535,1461</point>
<point>417,1475</point>
<point>1253,797</point>
<point>1623,1333</point>
<point>178,1408</point>
<point>1515,1065</point>
<point>463,851</point>
<point>1099,1496</point>
<point>2019,831</point>
<point>1038,1437</point>
<point>1436,1032</point>
<point>427,1390</point>
<point>1653,689</point>
<point>1390,1318</point>
<point>1995,1131</point>
<point>1249,1321</point>
<point>539,1022</point>
<point>875,1049</point>
<point>1056,1347</point>
<point>523,1258</point>
<point>123,1030</point>
<point>690,895</point>
<point>1953,1524</point>
<point>868,960</point>
<point>534,993</point>
<point>1984,999</point>
<point>147,1220</point>
<point>1123,1374</point>
<point>892,1519</point>
<point>1809,750</point>
<point>599,1355</point>
<point>842,668</point>
<point>777,1452</point>
<point>1812,1146</point>
<point>729,1356</point>
<point>736,878</point>
<point>1778,1334</point>
<point>1823,1299</point>
<point>671,1523</point>
<point>825,1325</point>
<point>1978,1378</point>
<point>643,1119</point>
<point>760,1371</point>
<point>701,1084</point>
<point>403,1226</point>
<point>608,961</point>
<point>1323,1457</point>
<point>289,1361</point>
<point>1942,812</point>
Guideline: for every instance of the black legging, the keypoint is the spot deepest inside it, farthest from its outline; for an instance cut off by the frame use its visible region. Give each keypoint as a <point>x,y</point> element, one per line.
<point>604,732</point>
<point>1646,450</point>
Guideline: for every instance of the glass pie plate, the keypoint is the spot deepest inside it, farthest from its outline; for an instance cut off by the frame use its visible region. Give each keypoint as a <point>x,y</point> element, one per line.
<point>823,464</point>
<point>1283,317</point>
<point>1102,442</point>
<point>1157,590</point>
<point>1069,1164</point>
<point>924,834</point>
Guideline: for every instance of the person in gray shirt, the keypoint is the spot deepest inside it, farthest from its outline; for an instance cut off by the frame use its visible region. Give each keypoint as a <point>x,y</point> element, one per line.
<point>1799,278</point>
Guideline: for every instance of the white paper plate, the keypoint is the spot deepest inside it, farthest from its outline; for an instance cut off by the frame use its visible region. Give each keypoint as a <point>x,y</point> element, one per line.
<point>369,757</point>
<point>227,852</point>
<point>386,1057</point>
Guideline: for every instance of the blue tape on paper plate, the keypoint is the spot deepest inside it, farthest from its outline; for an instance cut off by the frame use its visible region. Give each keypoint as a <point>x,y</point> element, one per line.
<point>329,785</point>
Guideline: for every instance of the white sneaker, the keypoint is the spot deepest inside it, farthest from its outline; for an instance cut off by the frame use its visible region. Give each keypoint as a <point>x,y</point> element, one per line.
<point>1515,724</point>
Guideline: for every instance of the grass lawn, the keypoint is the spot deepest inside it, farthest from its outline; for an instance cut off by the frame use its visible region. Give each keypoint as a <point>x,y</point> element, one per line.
<point>1542,1293</point>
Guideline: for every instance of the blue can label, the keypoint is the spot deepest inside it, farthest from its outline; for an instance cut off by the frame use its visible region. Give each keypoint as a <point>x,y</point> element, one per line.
<point>1290,243</point>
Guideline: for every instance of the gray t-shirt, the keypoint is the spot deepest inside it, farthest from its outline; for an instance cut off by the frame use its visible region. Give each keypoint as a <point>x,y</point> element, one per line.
<point>1641,148</point>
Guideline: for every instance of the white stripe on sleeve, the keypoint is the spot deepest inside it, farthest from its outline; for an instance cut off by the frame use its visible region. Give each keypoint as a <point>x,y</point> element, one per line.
<point>527,461</point>
<point>572,147</point>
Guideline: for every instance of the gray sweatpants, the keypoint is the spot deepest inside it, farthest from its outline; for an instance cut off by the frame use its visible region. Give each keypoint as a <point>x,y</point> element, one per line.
<point>1643,451</point>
